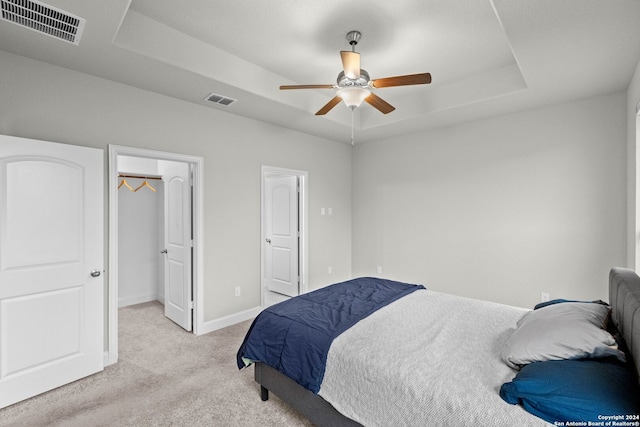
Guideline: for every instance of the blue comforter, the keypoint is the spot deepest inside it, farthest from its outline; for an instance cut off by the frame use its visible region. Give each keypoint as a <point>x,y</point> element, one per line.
<point>294,336</point>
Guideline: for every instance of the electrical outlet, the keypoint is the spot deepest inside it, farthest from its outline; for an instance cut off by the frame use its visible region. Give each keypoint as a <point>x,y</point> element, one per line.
<point>544,297</point>
<point>379,269</point>
<point>329,269</point>
<point>237,291</point>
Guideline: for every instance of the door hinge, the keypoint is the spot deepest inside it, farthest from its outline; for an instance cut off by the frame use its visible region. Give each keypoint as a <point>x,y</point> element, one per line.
<point>190,305</point>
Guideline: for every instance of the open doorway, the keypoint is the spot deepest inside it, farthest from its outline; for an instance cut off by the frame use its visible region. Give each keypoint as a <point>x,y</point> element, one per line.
<point>163,220</point>
<point>140,231</point>
<point>284,221</point>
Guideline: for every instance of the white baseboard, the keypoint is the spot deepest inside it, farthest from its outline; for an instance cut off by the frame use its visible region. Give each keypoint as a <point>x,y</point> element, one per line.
<point>232,319</point>
<point>106,361</point>
<point>124,302</point>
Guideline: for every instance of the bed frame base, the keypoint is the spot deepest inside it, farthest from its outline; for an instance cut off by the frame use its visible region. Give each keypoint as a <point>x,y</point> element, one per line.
<point>313,407</point>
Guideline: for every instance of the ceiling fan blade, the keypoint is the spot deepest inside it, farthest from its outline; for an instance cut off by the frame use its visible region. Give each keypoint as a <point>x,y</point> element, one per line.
<point>286,87</point>
<point>351,64</point>
<point>411,79</point>
<point>329,105</point>
<point>380,104</point>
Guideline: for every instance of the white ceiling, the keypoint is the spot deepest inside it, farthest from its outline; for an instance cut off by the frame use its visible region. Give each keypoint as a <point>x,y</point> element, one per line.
<point>486,57</point>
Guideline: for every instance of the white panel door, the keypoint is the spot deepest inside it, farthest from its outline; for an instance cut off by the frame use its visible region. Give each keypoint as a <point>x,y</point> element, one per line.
<point>51,256</point>
<point>178,305</point>
<point>281,205</point>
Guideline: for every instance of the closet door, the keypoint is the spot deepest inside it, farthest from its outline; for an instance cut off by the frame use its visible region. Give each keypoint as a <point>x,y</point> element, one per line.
<point>51,255</point>
<point>178,301</point>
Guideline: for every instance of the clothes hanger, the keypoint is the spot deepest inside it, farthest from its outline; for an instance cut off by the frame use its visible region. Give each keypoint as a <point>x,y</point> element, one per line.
<point>145,184</point>
<point>125,183</point>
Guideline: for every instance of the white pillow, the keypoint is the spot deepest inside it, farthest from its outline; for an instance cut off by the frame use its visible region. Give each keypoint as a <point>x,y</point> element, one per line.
<point>568,330</point>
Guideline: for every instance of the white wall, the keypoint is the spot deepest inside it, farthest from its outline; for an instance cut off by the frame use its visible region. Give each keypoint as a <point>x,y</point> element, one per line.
<point>500,209</point>
<point>42,101</point>
<point>633,177</point>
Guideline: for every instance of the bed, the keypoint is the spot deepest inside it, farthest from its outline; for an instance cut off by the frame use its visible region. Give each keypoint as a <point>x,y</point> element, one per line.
<point>411,356</point>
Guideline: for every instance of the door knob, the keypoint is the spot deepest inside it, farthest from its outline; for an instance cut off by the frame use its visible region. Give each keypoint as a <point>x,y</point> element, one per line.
<point>95,273</point>
<point>164,251</point>
<point>268,241</point>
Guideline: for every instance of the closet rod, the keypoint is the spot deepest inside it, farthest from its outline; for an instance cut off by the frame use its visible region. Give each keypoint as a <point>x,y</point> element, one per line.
<point>140,176</point>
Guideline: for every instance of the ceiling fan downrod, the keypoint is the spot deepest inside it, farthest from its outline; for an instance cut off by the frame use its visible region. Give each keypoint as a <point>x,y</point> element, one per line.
<point>353,37</point>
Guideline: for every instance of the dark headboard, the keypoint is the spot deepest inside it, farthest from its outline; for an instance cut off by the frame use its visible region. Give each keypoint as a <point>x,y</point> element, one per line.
<point>624,297</point>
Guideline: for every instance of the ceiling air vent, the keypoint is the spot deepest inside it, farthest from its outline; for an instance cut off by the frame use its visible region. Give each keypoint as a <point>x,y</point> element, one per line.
<point>219,99</point>
<point>44,19</point>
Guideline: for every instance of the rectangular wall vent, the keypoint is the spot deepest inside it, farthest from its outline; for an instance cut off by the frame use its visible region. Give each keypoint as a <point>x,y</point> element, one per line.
<point>43,18</point>
<point>219,99</point>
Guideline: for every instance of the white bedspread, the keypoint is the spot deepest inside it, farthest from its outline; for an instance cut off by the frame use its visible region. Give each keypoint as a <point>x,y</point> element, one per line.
<point>428,359</point>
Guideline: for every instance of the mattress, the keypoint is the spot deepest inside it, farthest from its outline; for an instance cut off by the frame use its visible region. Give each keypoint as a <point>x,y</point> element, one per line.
<point>426,359</point>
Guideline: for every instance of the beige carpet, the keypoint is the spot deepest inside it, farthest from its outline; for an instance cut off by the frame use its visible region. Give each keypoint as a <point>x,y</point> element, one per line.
<point>165,376</point>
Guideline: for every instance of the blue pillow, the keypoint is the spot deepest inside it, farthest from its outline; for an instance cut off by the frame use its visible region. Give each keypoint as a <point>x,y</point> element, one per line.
<point>575,390</point>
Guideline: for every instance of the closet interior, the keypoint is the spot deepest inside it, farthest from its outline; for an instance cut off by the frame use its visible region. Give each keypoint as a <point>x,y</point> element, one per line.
<point>140,239</point>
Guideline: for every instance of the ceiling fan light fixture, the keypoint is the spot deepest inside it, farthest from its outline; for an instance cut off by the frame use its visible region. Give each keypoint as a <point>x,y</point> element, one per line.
<point>353,96</point>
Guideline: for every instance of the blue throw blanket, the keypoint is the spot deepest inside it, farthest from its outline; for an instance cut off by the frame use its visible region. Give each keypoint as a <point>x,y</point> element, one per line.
<point>294,336</point>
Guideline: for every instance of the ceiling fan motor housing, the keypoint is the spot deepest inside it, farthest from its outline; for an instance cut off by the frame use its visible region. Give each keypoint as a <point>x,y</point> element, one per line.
<point>362,81</point>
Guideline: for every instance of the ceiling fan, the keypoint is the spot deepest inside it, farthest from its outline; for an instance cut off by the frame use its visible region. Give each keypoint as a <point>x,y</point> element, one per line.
<point>354,84</point>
